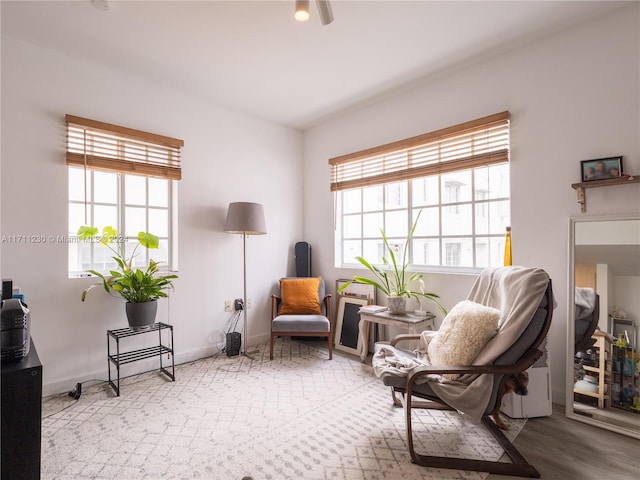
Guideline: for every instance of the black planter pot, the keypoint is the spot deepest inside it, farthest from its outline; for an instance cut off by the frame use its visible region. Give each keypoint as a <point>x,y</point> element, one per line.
<point>141,315</point>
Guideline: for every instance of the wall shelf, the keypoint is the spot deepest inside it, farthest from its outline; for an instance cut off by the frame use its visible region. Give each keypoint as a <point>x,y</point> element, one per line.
<point>580,187</point>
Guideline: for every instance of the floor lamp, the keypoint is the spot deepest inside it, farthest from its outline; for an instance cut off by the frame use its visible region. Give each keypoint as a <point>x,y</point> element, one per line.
<point>245,218</point>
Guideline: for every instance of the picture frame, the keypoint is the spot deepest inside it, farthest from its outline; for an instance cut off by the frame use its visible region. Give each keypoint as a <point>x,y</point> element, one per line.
<point>357,289</point>
<point>348,323</point>
<point>600,169</point>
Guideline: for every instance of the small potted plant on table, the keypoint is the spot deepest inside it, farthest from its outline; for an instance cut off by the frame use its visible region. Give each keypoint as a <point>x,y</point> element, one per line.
<point>394,280</point>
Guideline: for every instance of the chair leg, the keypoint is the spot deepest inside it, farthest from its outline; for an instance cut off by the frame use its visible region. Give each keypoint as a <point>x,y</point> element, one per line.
<point>330,347</point>
<point>519,466</point>
<point>397,402</point>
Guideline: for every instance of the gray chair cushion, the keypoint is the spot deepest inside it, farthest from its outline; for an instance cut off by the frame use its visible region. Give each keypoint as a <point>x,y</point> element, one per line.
<point>300,323</point>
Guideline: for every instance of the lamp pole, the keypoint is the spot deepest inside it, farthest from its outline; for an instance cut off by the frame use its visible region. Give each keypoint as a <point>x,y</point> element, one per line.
<point>245,218</point>
<point>244,294</point>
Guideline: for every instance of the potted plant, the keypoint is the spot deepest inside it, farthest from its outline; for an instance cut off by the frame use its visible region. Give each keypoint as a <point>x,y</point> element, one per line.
<point>140,287</point>
<point>394,280</point>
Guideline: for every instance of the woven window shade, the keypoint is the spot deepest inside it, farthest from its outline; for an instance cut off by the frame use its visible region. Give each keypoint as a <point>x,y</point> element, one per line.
<point>481,142</point>
<point>109,147</point>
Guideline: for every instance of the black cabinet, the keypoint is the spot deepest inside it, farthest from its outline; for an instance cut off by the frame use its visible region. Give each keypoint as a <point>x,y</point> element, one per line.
<point>21,417</point>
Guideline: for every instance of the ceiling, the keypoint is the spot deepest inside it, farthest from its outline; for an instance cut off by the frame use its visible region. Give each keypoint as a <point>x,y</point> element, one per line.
<point>252,56</point>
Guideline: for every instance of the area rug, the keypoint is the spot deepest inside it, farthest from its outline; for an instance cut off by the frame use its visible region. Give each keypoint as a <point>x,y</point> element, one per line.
<point>299,416</point>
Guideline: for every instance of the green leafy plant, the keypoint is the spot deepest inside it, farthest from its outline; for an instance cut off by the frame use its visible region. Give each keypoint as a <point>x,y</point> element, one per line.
<point>135,285</point>
<point>394,280</point>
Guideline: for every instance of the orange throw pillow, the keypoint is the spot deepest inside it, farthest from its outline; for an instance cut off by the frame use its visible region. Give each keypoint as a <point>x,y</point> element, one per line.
<point>300,296</point>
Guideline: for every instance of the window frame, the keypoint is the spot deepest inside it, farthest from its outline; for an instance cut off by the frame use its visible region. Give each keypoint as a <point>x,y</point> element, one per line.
<point>368,168</point>
<point>120,205</point>
<point>95,146</point>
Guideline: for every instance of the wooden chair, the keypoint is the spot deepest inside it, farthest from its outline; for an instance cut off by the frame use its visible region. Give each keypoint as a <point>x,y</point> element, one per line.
<point>301,309</point>
<point>415,392</point>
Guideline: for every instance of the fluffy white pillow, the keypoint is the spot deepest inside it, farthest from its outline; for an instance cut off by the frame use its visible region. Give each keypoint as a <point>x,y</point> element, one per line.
<point>464,332</point>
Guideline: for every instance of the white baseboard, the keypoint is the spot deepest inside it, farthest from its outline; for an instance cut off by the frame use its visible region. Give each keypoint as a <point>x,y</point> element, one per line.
<point>66,385</point>
<point>150,364</point>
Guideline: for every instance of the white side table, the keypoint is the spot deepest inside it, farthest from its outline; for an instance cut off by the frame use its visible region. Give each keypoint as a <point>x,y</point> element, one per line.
<point>413,323</point>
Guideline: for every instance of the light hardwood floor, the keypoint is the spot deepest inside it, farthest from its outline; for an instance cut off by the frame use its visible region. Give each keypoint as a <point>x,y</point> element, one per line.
<point>564,449</point>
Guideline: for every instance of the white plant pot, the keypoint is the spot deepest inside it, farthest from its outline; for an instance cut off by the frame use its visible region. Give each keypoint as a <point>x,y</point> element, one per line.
<point>397,305</point>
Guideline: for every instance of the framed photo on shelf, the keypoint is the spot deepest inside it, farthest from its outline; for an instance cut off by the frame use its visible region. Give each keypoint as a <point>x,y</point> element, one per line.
<point>348,323</point>
<point>601,168</point>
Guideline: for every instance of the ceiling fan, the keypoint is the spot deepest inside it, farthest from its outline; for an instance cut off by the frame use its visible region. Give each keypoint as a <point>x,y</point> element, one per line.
<point>324,9</point>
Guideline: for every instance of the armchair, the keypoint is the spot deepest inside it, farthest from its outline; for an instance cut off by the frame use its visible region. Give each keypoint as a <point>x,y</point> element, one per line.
<point>302,308</point>
<point>524,299</point>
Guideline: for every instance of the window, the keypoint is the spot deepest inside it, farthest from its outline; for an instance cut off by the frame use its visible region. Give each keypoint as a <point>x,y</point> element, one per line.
<point>458,177</point>
<point>122,178</point>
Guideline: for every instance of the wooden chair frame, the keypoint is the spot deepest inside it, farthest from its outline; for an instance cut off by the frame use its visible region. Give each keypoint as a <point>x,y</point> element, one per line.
<point>275,306</point>
<point>518,466</point>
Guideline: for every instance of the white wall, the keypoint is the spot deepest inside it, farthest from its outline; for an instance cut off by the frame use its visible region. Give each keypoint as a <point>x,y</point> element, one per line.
<point>572,96</point>
<point>227,157</point>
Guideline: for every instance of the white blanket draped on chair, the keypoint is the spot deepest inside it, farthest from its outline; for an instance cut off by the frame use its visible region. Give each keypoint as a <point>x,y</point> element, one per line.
<point>517,293</point>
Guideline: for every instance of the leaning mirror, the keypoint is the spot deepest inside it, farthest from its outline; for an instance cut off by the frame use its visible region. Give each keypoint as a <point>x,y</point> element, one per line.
<point>603,367</point>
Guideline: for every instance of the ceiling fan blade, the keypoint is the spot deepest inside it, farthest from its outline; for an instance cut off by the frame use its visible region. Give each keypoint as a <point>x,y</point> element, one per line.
<point>324,9</point>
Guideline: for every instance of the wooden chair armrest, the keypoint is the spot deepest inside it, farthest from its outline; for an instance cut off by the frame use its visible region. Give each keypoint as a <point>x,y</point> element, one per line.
<point>275,302</point>
<point>404,337</point>
<point>327,307</point>
<point>520,366</point>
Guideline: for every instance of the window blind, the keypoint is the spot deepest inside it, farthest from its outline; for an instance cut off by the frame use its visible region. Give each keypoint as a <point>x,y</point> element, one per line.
<point>477,143</point>
<point>109,147</point>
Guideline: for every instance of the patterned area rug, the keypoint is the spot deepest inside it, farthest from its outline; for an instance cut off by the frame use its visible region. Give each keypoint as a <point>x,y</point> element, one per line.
<point>299,416</point>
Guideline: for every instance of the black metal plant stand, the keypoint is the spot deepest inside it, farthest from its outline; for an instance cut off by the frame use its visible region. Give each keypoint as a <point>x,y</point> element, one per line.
<point>140,354</point>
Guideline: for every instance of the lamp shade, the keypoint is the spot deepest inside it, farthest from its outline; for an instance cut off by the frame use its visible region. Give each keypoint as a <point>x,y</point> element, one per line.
<point>245,217</point>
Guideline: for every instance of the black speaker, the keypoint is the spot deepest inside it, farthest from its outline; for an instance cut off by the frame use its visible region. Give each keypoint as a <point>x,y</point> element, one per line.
<point>234,339</point>
<point>7,288</point>
<point>15,328</point>
<point>303,259</point>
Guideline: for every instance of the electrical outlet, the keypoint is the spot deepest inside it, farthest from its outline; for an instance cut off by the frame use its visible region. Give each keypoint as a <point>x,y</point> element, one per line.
<point>227,305</point>
<point>248,303</point>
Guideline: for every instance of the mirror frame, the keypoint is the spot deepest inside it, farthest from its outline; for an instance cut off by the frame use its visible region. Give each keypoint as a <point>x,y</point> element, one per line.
<point>569,398</point>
